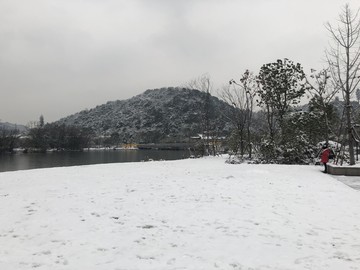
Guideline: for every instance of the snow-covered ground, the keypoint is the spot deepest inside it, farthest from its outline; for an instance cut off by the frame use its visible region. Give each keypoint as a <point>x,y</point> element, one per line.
<point>187,214</point>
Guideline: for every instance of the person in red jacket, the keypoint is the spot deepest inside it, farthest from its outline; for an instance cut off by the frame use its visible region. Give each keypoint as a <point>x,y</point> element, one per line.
<point>325,153</point>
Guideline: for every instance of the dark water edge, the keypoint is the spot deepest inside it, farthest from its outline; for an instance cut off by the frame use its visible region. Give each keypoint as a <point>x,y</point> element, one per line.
<point>21,161</point>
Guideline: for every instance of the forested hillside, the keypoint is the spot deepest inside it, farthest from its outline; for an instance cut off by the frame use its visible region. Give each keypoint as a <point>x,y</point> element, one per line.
<point>155,115</point>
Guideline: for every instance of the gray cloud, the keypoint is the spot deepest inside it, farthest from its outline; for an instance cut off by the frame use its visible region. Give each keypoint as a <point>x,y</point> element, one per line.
<point>60,56</point>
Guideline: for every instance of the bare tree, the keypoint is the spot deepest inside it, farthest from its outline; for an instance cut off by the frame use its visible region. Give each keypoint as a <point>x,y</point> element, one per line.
<point>240,95</point>
<point>322,89</point>
<point>203,83</point>
<point>343,57</point>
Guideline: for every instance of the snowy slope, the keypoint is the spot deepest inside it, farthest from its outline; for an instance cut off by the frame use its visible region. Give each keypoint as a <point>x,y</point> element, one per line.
<point>188,214</point>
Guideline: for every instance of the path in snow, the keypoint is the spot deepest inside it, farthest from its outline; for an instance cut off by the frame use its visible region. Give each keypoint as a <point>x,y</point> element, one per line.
<point>189,214</point>
<point>351,181</point>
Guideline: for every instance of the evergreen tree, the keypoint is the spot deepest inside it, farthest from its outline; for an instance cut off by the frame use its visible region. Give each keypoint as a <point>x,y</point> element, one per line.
<point>282,84</point>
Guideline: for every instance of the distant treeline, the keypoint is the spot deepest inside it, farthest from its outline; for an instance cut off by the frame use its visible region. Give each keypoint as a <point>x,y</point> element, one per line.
<point>8,139</point>
<point>42,136</point>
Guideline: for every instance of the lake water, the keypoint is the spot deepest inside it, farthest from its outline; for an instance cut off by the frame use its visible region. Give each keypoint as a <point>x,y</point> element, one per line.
<point>20,161</point>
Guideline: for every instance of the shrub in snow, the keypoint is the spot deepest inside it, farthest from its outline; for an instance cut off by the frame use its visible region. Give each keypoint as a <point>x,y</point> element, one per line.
<point>268,151</point>
<point>298,150</point>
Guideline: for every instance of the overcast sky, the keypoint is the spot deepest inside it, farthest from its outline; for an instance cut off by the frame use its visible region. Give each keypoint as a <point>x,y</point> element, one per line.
<point>58,57</point>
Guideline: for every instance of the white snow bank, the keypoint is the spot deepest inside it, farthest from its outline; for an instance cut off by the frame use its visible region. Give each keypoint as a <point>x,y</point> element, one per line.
<point>188,214</point>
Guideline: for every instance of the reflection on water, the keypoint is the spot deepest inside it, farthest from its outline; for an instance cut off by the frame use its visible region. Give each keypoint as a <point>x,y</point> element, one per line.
<point>20,161</point>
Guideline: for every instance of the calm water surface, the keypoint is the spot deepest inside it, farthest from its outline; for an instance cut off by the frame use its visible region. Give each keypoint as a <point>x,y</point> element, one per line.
<point>20,161</point>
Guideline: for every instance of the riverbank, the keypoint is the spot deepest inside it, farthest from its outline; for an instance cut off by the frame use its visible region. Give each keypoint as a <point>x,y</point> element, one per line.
<point>186,214</point>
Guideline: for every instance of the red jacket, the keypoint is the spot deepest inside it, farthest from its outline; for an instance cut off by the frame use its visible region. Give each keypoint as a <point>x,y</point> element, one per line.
<point>325,155</point>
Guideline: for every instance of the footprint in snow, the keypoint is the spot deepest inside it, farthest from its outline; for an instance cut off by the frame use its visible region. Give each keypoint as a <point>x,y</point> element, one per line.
<point>147,227</point>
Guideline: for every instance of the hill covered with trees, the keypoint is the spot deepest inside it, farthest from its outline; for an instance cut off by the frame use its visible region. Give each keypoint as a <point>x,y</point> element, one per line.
<point>166,114</point>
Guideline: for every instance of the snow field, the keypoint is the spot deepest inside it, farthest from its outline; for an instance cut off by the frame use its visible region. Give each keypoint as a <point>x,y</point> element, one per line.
<point>187,214</point>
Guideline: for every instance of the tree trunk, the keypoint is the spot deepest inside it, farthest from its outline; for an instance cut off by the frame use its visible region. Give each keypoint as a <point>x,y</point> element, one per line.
<point>349,131</point>
<point>348,105</point>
